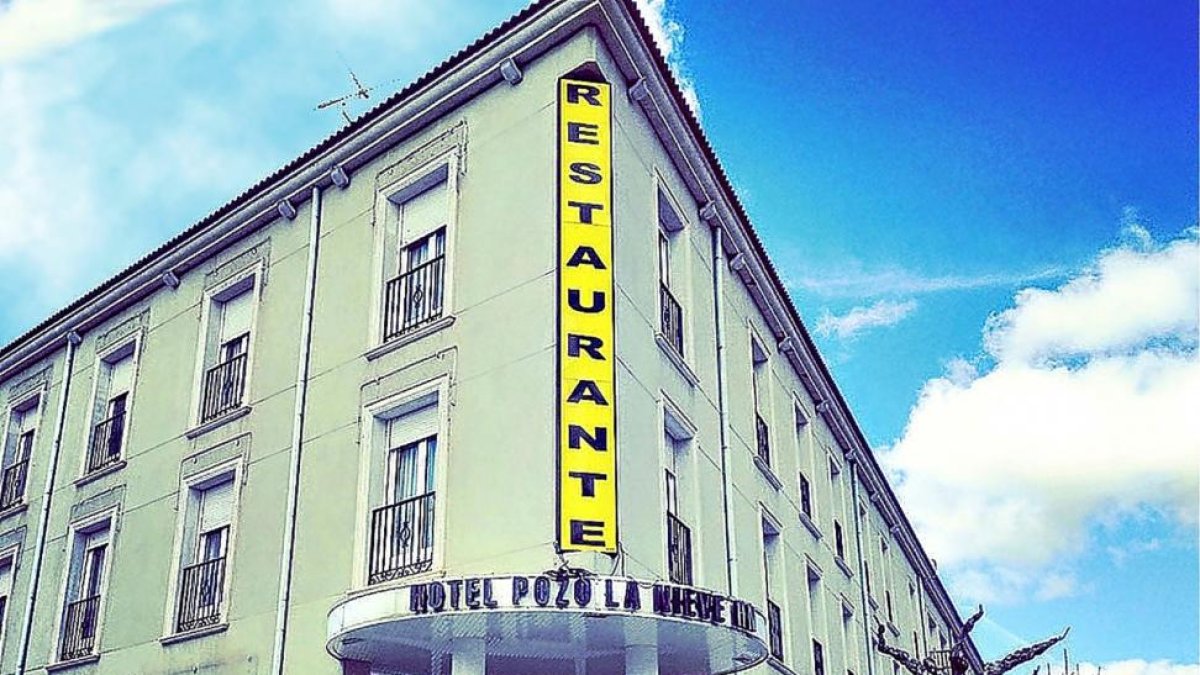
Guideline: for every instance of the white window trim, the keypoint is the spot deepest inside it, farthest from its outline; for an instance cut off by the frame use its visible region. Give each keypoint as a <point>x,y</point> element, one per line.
<point>681,265</point>
<point>39,408</point>
<point>375,417</point>
<point>235,468</point>
<point>97,371</point>
<point>12,556</point>
<point>386,216</point>
<point>210,299</point>
<point>76,529</point>
<point>672,420</point>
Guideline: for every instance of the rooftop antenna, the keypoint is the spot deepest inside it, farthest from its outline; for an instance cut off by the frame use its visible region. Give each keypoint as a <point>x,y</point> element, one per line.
<point>360,91</point>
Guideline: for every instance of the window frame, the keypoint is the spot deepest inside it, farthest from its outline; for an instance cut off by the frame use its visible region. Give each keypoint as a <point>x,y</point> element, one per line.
<point>31,402</point>
<point>389,200</point>
<point>133,343</point>
<point>77,532</point>
<point>11,556</point>
<point>373,465</point>
<point>190,501</point>
<point>209,337</point>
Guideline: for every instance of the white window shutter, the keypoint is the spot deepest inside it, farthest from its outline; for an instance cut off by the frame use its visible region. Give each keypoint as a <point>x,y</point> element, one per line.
<point>424,213</point>
<point>120,377</point>
<point>413,426</point>
<point>216,506</point>
<point>235,316</point>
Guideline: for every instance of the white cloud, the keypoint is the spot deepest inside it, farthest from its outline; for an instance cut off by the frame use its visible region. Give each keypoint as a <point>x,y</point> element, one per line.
<point>1084,418</point>
<point>852,280</point>
<point>1131,667</point>
<point>29,28</point>
<point>882,314</point>
<point>668,34</point>
<point>1127,298</point>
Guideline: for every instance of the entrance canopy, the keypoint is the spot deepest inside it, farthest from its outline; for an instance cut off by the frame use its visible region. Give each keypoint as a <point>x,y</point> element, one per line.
<point>547,624</point>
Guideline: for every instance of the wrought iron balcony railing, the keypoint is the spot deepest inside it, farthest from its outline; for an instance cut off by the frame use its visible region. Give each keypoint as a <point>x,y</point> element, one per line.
<point>414,298</point>
<point>679,551</point>
<point>763,438</point>
<point>775,629</point>
<point>12,484</point>
<point>105,449</point>
<point>224,387</point>
<point>672,318</point>
<point>79,629</point>
<point>401,539</point>
<point>201,595</point>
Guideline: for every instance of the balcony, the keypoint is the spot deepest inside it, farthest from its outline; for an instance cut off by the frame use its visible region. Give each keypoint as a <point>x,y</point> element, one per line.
<point>106,443</point>
<point>679,551</point>
<point>672,318</point>
<point>763,439</point>
<point>201,595</point>
<point>79,629</point>
<point>775,630</point>
<point>414,298</point>
<point>12,484</point>
<point>401,539</point>
<point>224,387</point>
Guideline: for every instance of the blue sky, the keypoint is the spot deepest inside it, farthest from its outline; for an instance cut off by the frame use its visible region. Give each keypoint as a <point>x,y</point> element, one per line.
<point>985,212</point>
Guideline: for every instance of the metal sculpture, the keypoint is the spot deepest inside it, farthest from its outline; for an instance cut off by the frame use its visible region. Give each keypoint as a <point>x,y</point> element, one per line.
<point>957,663</point>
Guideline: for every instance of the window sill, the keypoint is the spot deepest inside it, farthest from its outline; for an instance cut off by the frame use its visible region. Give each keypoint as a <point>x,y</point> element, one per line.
<point>236,413</point>
<point>409,338</point>
<point>193,634</point>
<point>100,473</point>
<point>676,359</point>
<point>767,473</point>
<point>65,665</point>
<point>14,510</point>
<point>812,527</point>
<point>841,563</point>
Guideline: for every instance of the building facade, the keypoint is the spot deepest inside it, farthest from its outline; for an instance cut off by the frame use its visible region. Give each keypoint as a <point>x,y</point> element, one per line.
<point>497,379</point>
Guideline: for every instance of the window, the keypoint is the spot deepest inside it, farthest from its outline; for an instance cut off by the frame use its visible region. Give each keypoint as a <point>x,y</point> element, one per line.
<point>670,277</point>
<point>677,435</point>
<point>227,350</point>
<point>816,602</point>
<point>758,390</point>
<point>772,583</point>
<point>18,449</point>
<point>806,497</point>
<point>415,283</point>
<point>887,599</point>
<point>6,584</point>
<point>839,544</point>
<point>818,657</point>
<point>110,413</point>
<point>401,532</point>
<point>86,581</point>
<point>204,558</point>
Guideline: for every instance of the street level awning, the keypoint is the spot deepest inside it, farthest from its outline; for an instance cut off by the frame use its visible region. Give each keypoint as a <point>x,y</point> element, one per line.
<point>547,624</point>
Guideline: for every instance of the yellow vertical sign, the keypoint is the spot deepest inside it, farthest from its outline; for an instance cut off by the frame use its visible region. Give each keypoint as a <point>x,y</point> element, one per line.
<point>587,463</point>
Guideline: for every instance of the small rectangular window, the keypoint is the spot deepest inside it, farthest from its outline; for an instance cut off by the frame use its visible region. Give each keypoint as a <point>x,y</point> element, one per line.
<point>205,555</point>
<point>806,496</point>
<point>227,353</point>
<point>111,410</point>
<point>18,451</point>
<point>818,658</point>
<point>401,529</point>
<point>86,581</point>
<point>838,541</point>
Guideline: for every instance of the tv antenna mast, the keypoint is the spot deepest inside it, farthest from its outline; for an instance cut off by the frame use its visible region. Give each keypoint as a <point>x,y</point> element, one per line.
<point>360,91</point>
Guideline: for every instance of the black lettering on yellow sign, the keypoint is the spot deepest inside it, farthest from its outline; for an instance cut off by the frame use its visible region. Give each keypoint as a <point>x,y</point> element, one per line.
<point>587,465</point>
